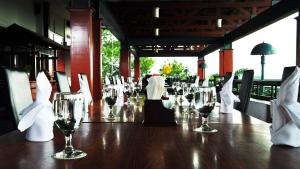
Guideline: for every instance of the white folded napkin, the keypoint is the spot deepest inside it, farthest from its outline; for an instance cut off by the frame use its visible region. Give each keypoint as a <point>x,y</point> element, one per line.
<point>39,116</point>
<point>114,80</point>
<point>107,81</point>
<point>170,103</point>
<point>85,89</point>
<point>285,128</point>
<point>227,97</point>
<point>120,98</point>
<point>118,81</point>
<point>155,87</point>
<point>122,79</point>
<point>205,82</point>
<point>196,81</point>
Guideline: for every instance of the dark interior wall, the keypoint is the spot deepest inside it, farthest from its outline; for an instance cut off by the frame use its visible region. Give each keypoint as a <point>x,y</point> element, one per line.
<point>17,11</point>
<point>58,16</point>
<point>29,14</point>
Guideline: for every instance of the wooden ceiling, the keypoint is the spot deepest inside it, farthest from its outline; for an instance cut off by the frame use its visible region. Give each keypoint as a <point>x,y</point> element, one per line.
<point>185,27</point>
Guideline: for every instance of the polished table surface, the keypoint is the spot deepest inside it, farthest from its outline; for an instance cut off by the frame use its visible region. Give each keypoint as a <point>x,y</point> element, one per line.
<point>242,142</point>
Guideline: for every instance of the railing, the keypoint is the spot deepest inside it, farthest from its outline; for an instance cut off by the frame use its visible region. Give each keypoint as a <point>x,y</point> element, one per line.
<point>261,89</point>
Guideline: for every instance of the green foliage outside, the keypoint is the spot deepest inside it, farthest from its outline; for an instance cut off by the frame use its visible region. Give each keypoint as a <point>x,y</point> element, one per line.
<point>214,76</point>
<point>146,63</point>
<point>239,72</point>
<point>177,70</point>
<point>110,54</point>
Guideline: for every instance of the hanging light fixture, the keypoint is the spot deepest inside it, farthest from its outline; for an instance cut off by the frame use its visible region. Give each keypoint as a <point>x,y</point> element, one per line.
<point>219,23</point>
<point>156,12</point>
<point>156,31</point>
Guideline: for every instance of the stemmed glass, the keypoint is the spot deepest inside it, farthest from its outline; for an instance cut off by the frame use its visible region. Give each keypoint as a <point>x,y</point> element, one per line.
<point>128,92</point>
<point>175,86</point>
<point>180,92</point>
<point>137,89</point>
<point>190,97</point>
<point>110,97</point>
<point>69,113</point>
<point>205,106</point>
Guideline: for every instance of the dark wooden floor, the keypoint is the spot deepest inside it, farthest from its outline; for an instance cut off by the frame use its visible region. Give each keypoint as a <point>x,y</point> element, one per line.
<point>242,142</point>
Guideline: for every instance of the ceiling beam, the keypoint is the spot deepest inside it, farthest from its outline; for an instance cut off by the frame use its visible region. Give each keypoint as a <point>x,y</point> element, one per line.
<point>174,40</point>
<point>167,54</point>
<point>111,22</point>
<point>276,12</point>
<point>189,4</point>
<point>269,16</point>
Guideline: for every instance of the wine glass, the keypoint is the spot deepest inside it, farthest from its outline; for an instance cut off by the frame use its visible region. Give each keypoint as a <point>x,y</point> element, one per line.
<point>175,87</point>
<point>137,89</point>
<point>179,89</point>
<point>69,113</point>
<point>204,106</point>
<point>128,92</point>
<point>190,97</point>
<point>111,95</point>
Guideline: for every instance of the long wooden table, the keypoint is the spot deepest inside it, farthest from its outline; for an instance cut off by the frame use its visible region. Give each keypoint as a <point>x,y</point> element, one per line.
<point>242,142</point>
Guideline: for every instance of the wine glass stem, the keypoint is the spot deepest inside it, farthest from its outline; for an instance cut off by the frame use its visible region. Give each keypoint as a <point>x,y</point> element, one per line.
<point>111,115</point>
<point>204,121</point>
<point>68,144</point>
<point>128,100</point>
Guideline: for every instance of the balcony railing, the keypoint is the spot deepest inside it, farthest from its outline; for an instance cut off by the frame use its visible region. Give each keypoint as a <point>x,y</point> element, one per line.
<point>261,89</point>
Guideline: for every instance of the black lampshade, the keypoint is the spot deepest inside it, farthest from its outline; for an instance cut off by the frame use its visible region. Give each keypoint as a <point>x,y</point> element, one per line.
<point>263,49</point>
<point>203,65</point>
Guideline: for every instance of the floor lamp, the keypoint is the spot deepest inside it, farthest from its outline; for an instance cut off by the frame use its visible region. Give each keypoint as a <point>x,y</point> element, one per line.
<point>263,49</point>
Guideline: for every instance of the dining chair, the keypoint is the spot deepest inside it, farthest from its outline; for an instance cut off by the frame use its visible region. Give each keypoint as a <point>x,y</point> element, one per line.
<point>245,91</point>
<point>287,71</point>
<point>19,91</point>
<point>62,82</point>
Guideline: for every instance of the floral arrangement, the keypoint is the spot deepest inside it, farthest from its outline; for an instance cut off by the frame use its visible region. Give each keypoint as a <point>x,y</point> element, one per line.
<point>167,69</point>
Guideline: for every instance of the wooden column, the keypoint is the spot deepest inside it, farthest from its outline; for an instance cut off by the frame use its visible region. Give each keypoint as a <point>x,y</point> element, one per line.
<point>221,63</point>
<point>298,42</point>
<point>85,49</point>
<point>124,62</point>
<point>137,71</point>
<point>95,81</point>
<point>201,71</point>
<point>226,61</point>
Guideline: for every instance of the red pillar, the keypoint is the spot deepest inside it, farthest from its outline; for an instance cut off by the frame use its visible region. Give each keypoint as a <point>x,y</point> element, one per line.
<point>85,57</point>
<point>201,71</point>
<point>221,63</point>
<point>226,61</point>
<point>124,62</point>
<point>137,71</point>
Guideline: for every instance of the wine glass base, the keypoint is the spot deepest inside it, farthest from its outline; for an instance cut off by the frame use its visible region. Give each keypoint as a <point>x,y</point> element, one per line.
<point>110,118</point>
<point>205,129</point>
<point>76,154</point>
